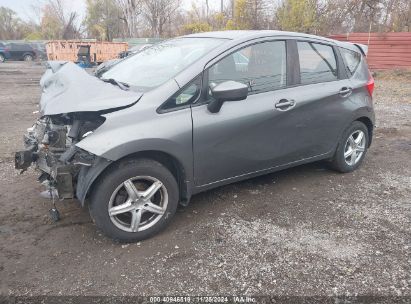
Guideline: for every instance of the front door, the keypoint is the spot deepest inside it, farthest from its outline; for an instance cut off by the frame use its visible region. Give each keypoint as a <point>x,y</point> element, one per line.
<point>243,136</point>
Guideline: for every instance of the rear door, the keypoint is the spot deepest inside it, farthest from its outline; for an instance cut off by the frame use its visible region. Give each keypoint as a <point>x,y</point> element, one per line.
<point>14,51</point>
<point>17,50</point>
<point>322,97</point>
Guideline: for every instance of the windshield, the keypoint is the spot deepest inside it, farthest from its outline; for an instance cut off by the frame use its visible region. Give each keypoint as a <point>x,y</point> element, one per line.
<point>161,62</point>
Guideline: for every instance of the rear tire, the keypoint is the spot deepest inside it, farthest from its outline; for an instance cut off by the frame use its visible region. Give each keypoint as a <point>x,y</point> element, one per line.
<point>2,58</point>
<point>351,149</point>
<point>123,206</point>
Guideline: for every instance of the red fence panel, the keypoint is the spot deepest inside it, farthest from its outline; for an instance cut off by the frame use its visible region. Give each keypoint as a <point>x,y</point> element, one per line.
<point>385,50</point>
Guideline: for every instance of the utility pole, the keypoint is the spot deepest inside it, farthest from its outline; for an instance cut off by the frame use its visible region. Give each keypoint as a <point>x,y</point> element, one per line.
<point>222,6</point>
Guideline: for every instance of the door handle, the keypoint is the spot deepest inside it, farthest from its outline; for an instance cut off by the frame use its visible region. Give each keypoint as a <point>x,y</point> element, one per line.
<point>285,104</point>
<point>345,91</point>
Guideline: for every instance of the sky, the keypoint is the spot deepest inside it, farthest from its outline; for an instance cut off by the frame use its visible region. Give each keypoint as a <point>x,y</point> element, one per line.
<point>24,8</point>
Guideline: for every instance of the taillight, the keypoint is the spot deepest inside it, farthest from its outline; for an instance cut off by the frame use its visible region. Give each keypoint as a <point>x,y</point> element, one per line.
<point>370,84</point>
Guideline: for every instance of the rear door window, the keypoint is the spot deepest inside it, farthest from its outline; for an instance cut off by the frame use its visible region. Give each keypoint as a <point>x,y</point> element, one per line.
<point>351,59</point>
<point>317,62</point>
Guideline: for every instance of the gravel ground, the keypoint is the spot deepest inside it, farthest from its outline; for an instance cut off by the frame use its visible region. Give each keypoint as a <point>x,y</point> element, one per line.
<point>306,231</point>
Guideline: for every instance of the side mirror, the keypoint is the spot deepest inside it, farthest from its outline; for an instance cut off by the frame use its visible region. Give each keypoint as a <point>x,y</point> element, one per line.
<point>227,91</point>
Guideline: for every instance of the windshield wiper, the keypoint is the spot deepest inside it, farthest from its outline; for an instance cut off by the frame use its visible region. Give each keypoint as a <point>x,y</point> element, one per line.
<point>121,85</point>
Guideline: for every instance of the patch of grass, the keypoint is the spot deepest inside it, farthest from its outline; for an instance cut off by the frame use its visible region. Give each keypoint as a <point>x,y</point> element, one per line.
<point>393,74</point>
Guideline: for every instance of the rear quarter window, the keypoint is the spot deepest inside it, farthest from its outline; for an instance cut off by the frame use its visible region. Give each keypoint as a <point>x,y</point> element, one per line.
<point>351,59</point>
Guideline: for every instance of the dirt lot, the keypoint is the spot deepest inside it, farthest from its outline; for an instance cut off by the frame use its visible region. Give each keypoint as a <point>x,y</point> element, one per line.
<point>303,231</point>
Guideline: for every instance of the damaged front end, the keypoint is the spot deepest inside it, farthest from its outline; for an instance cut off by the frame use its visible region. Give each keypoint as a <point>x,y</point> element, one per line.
<point>51,145</point>
<point>73,104</point>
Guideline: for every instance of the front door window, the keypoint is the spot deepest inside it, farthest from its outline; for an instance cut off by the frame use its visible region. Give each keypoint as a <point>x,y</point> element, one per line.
<point>261,66</point>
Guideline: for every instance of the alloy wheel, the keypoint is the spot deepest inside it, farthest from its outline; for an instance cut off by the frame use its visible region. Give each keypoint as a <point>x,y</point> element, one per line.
<point>354,147</point>
<point>138,203</point>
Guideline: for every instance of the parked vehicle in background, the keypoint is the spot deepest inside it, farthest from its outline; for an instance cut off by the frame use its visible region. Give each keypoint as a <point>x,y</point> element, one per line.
<point>194,113</point>
<point>21,51</point>
<point>40,49</point>
<point>4,52</point>
<point>134,50</point>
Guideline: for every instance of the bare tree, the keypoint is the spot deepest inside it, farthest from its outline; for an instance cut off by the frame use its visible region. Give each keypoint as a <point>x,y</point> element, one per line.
<point>131,10</point>
<point>158,13</point>
<point>64,24</point>
<point>258,14</point>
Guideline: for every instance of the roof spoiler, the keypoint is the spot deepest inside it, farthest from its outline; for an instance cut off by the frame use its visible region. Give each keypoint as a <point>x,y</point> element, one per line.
<point>362,47</point>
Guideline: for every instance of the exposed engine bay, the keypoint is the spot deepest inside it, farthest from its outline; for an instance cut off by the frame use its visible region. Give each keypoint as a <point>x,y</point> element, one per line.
<point>50,144</point>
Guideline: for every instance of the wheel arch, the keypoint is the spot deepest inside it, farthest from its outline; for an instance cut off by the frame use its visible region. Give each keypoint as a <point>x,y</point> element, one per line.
<point>370,127</point>
<point>29,54</point>
<point>361,117</point>
<point>89,177</point>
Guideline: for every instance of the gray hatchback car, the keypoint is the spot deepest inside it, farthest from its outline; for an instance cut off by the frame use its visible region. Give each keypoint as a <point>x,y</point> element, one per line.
<point>194,113</point>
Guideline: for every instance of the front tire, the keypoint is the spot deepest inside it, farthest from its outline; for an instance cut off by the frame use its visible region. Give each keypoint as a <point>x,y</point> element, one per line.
<point>134,200</point>
<point>352,148</point>
<point>2,58</point>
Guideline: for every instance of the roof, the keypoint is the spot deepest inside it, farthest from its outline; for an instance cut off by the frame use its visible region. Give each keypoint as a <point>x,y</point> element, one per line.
<point>234,35</point>
<point>245,35</point>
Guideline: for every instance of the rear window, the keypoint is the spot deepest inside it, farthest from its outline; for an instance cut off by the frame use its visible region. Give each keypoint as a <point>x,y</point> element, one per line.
<point>20,47</point>
<point>317,62</point>
<point>351,59</point>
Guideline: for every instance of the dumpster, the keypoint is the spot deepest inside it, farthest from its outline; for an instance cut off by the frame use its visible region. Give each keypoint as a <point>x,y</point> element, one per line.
<point>68,50</point>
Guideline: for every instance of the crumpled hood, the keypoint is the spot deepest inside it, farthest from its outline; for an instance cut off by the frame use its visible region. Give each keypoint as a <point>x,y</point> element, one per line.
<point>68,88</point>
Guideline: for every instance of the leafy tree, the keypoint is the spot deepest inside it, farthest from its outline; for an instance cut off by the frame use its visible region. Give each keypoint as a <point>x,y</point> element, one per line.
<point>298,16</point>
<point>199,27</point>
<point>103,19</point>
<point>248,15</point>
<point>11,27</point>
<point>241,20</point>
<point>51,26</point>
